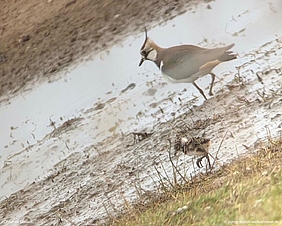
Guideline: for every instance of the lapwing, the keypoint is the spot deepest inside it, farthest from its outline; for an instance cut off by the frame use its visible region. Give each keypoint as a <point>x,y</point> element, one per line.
<point>196,146</point>
<point>185,63</point>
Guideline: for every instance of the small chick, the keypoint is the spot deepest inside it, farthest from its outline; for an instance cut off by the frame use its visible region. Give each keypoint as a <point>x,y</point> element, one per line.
<point>198,146</point>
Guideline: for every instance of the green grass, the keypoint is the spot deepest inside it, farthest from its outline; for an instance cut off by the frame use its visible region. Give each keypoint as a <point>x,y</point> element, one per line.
<point>249,190</point>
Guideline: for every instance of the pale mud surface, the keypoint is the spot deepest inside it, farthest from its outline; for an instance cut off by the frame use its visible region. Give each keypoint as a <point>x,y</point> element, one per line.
<point>70,177</point>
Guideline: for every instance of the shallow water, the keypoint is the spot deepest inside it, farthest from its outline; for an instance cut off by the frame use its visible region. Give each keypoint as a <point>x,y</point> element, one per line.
<point>90,109</point>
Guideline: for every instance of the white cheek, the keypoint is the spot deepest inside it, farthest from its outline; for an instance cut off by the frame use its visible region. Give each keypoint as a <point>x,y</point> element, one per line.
<point>152,55</point>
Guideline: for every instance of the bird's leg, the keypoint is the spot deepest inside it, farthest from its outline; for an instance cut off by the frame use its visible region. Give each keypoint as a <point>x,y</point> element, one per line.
<point>213,78</point>
<point>208,158</point>
<point>200,90</point>
<point>199,161</point>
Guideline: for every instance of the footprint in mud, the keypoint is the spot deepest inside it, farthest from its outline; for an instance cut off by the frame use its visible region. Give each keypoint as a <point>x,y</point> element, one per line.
<point>99,106</point>
<point>111,100</point>
<point>239,33</point>
<point>150,92</point>
<point>129,87</point>
<point>3,58</point>
<point>67,126</point>
<point>13,127</point>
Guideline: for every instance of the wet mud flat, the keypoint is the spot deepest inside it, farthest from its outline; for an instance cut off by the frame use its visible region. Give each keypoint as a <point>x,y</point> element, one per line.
<point>88,186</point>
<point>80,169</point>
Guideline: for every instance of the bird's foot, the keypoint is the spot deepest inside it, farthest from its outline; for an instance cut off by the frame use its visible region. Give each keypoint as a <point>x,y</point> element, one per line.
<point>199,162</point>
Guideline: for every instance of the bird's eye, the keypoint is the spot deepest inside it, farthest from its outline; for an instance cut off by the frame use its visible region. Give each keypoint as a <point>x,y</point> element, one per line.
<point>143,52</point>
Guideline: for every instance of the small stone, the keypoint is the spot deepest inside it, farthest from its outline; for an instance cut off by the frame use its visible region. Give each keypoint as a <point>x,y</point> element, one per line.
<point>208,208</point>
<point>257,203</point>
<point>3,58</point>
<point>25,38</point>
<point>264,173</point>
<point>235,173</point>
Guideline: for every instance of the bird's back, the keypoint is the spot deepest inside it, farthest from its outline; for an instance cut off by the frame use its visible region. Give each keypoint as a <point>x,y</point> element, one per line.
<point>181,62</point>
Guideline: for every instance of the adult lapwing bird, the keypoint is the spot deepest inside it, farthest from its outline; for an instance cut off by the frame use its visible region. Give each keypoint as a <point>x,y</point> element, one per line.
<point>185,63</point>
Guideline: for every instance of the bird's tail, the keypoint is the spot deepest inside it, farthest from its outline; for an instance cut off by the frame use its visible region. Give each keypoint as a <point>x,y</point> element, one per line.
<point>228,55</point>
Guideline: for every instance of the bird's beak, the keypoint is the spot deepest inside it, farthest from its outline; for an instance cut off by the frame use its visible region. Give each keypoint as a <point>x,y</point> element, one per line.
<point>141,61</point>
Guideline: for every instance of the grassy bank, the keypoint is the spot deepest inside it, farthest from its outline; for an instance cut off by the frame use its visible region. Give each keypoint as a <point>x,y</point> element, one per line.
<point>247,191</point>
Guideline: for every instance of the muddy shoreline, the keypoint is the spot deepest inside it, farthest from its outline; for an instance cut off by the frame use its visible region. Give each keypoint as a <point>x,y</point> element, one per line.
<point>68,177</point>
<point>92,184</point>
